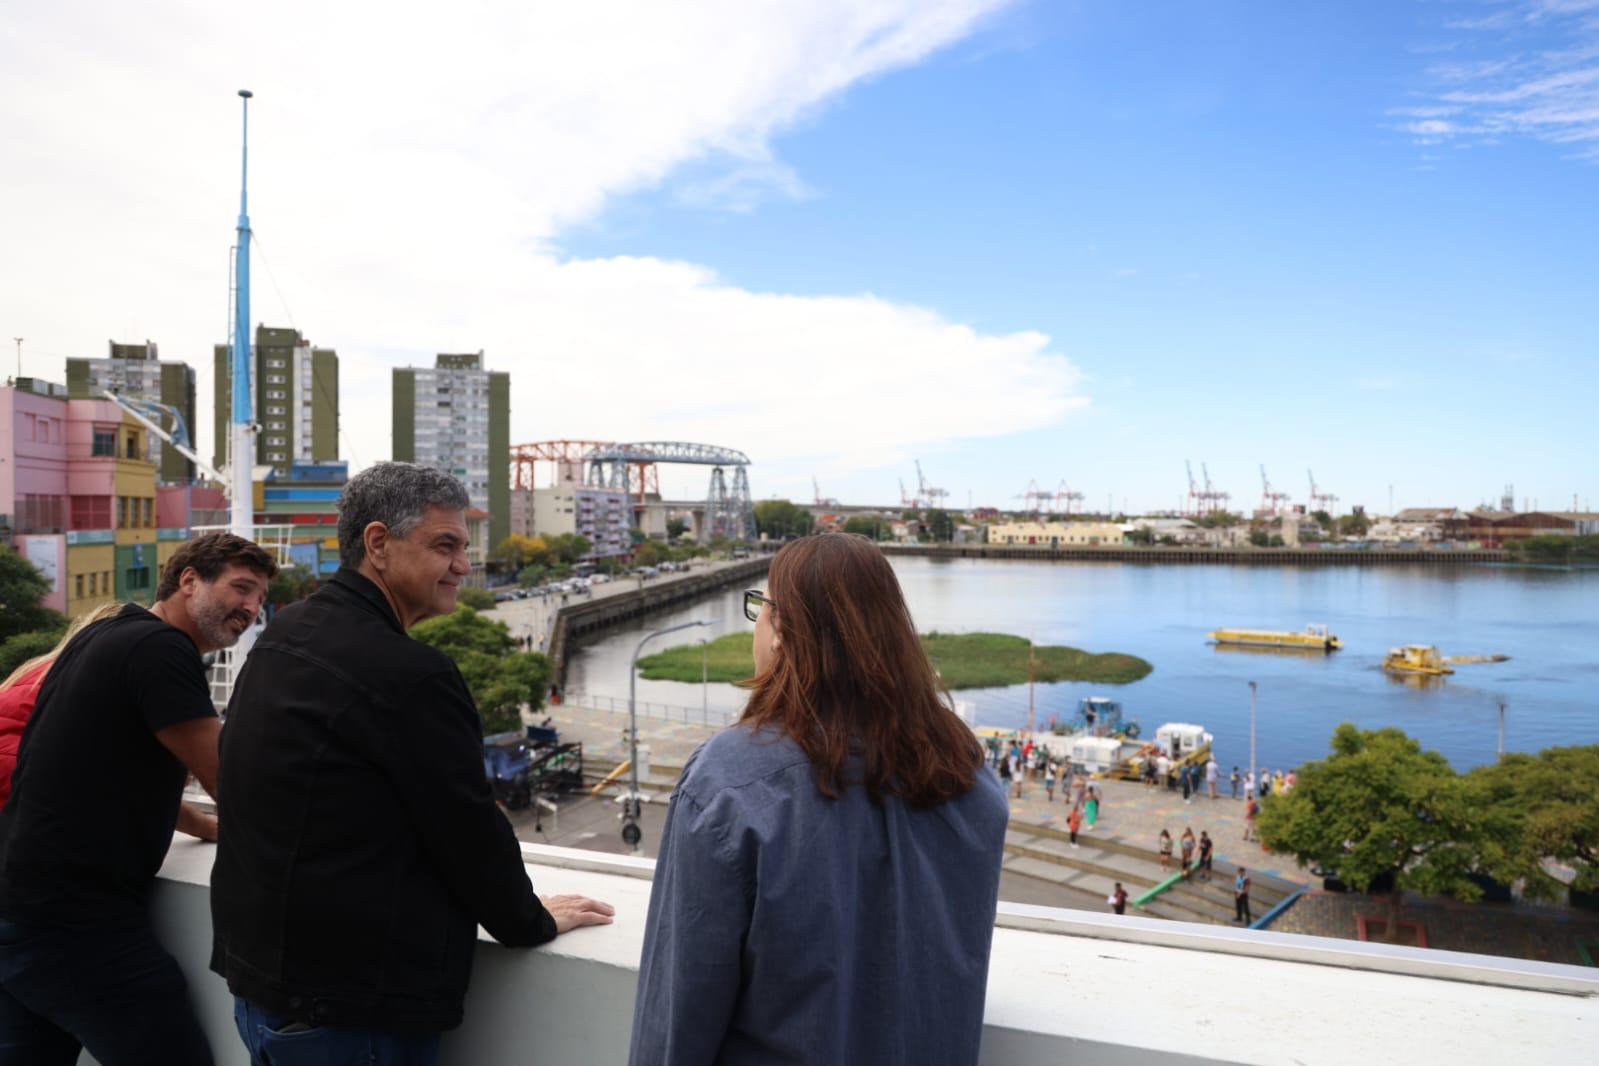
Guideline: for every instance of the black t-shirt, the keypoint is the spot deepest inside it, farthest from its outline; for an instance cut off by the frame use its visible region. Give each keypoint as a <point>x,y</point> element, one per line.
<point>95,796</point>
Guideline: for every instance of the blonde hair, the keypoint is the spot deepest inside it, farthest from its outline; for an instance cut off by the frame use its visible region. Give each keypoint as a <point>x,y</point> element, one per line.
<point>87,618</point>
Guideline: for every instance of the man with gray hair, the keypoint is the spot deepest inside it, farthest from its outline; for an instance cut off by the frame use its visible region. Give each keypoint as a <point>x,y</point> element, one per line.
<point>362,846</point>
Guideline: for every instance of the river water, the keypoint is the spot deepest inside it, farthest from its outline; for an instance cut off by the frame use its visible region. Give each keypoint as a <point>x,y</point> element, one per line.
<point>1546,620</point>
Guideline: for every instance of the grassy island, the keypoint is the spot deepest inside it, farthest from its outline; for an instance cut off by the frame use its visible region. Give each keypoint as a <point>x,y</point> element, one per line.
<point>964,660</point>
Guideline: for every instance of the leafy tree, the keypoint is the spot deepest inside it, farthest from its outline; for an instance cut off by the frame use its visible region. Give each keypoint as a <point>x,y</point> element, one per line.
<point>650,553</point>
<point>675,527</point>
<point>518,551</point>
<point>1548,810</point>
<point>1556,549</point>
<point>1354,525</point>
<point>1379,806</point>
<point>500,677</point>
<point>1259,538</point>
<point>292,583</point>
<point>569,547</point>
<point>1323,519</point>
<point>1218,519</point>
<point>14,651</point>
<point>940,526</point>
<point>475,598</point>
<point>22,587</point>
<point>866,526</point>
<point>781,519</point>
<point>1142,535</point>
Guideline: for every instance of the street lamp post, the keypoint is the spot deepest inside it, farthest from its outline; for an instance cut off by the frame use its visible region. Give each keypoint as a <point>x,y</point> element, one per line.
<point>631,834</point>
<point>1252,768</point>
<point>705,683</point>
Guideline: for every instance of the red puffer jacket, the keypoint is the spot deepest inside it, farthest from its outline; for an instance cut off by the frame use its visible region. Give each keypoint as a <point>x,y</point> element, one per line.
<point>16,707</point>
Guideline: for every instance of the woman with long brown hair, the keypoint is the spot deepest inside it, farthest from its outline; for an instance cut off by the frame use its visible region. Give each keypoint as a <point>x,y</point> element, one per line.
<point>827,877</point>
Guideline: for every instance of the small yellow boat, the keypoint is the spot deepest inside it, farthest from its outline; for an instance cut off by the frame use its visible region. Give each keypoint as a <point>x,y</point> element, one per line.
<point>1425,660</point>
<point>1314,638</point>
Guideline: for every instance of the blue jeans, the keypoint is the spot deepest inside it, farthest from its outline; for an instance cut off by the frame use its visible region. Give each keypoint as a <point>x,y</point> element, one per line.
<point>111,989</point>
<point>264,1034</point>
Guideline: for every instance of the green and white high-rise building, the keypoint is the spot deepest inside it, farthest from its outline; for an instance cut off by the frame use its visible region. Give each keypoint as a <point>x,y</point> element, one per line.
<point>296,400</point>
<point>456,417</point>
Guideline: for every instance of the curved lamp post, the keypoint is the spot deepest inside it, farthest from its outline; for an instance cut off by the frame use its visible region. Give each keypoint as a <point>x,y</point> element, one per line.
<point>631,834</point>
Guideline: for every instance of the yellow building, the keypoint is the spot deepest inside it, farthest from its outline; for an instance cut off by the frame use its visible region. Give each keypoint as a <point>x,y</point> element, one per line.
<point>1056,534</point>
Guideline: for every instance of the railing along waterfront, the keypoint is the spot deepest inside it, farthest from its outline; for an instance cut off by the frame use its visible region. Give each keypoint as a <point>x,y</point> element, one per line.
<point>1201,556</point>
<point>716,717</point>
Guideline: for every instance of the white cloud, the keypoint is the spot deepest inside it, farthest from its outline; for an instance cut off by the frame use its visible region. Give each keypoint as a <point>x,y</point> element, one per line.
<point>1544,85</point>
<point>412,170</point>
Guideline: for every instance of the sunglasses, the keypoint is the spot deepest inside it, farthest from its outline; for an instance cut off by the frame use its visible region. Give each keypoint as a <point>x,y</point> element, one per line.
<point>753,598</point>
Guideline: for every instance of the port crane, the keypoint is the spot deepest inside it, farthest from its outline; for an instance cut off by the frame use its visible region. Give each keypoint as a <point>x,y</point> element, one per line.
<point>1195,499</point>
<point>934,497</point>
<point>819,500</point>
<point>1067,501</point>
<point>1271,503</point>
<point>1033,499</point>
<point>1214,498</point>
<point>1319,500</point>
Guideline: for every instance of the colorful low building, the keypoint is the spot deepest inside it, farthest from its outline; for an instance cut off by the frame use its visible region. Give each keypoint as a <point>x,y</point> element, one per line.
<point>1057,534</point>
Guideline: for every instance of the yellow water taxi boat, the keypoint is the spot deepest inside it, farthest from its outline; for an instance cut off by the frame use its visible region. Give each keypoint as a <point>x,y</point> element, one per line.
<point>1315,638</point>
<point>1426,660</point>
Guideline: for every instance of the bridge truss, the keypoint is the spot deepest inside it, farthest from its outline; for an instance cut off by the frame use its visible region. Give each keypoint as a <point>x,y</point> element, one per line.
<point>729,510</point>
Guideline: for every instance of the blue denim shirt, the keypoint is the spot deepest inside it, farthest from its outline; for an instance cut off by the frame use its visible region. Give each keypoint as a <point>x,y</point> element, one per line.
<point>785,927</point>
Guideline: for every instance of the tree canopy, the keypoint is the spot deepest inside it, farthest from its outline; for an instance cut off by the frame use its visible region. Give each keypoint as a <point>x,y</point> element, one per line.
<point>1546,808</point>
<point>22,590</point>
<point>500,677</point>
<point>781,519</point>
<point>292,583</point>
<point>869,527</point>
<point>1379,805</point>
<point>940,525</point>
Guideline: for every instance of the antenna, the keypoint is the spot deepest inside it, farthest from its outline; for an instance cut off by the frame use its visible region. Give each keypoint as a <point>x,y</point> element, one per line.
<point>242,510</point>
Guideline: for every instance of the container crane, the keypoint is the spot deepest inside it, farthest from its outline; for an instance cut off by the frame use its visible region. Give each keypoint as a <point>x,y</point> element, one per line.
<point>934,497</point>
<point>1195,497</point>
<point>1067,501</point>
<point>1215,498</point>
<point>818,499</point>
<point>1271,503</point>
<point>1321,501</point>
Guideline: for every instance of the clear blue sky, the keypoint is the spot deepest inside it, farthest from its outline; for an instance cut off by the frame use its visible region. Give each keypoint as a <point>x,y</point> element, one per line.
<point>1018,240</point>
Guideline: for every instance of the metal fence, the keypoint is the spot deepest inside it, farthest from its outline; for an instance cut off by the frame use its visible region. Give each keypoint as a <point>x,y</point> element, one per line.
<point>715,717</point>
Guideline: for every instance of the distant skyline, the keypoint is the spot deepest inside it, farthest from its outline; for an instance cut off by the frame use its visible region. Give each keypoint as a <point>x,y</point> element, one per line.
<point>1020,241</point>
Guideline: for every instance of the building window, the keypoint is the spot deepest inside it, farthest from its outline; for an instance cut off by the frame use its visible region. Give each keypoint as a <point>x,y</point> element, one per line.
<point>105,442</point>
<point>275,394</point>
<point>137,579</point>
<point>77,586</point>
<point>274,379</point>
<point>94,584</point>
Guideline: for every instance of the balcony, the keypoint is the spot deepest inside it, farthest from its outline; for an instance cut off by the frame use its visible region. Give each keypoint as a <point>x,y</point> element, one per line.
<point>1064,986</point>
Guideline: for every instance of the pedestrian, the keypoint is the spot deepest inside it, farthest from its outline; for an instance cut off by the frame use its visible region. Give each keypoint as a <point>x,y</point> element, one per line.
<point>1187,846</point>
<point>1163,769</point>
<point>1165,850</point>
<point>751,953</point>
<point>1241,897</point>
<point>1074,823</point>
<point>1249,785</point>
<point>20,691</point>
<point>1049,781</point>
<point>1016,770</point>
<point>1205,847</point>
<point>1091,808</point>
<point>1212,771</point>
<point>1004,773</point>
<point>363,846</point>
<point>1251,809</point>
<point>123,717</point>
<point>1188,783</point>
<point>1118,899</point>
<point>1233,779</point>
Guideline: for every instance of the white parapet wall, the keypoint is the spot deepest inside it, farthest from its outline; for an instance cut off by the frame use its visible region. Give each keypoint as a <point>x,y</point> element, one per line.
<point>1064,987</point>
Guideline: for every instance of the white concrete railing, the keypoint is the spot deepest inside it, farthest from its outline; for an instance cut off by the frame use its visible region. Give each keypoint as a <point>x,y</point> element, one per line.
<point>1064,986</point>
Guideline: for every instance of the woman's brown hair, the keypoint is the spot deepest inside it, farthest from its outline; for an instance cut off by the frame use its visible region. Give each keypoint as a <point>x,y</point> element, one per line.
<point>851,677</point>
